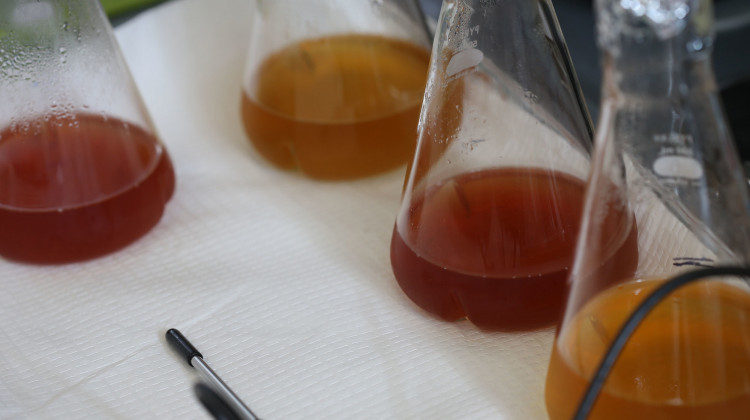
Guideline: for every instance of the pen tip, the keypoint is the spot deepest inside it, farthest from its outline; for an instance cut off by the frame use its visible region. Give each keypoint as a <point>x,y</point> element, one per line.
<point>182,346</point>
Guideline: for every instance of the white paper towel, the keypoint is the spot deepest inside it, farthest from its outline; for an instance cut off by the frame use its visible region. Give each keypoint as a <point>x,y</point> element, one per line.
<point>283,283</point>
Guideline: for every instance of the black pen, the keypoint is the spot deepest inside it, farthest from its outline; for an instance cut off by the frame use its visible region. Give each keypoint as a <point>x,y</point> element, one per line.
<point>195,359</point>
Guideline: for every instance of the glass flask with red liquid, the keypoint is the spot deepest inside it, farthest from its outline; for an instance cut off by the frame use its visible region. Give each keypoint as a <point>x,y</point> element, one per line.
<point>82,173</point>
<point>332,88</point>
<point>664,154</point>
<point>492,202</point>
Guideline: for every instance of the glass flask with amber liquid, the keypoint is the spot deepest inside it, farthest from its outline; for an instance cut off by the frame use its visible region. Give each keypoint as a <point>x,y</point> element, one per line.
<point>663,152</point>
<point>82,173</point>
<point>332,88</point>
<point>493,198</point>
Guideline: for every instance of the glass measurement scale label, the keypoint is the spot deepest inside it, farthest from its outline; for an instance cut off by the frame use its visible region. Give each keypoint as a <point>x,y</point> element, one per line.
<point>467,55</point>
<point>676,162</point>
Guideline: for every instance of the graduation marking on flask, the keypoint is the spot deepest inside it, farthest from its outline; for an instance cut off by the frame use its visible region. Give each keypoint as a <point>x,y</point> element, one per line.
<point>463,60</point>
<point>468,56</point>
<point>678,167</point>
<point>676,157</point>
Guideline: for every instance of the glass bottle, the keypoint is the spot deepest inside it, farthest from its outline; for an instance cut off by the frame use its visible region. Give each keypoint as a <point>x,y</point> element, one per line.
<point>332,88</point>
<point>82,173</point>
<point>663,152</point>
<point>493,198</point>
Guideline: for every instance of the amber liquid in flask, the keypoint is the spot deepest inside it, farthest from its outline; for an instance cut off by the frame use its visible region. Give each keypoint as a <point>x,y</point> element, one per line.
<point>76,187</point>
<point>494,246</point>
<point>686,361</point>
<point>338,107</point>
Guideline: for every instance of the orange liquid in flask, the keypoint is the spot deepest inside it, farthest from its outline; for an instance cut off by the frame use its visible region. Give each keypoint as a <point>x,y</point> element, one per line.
<point>689,359</point>
<point>494,246</point>
<point>338,107</point>
<point>77,187</point>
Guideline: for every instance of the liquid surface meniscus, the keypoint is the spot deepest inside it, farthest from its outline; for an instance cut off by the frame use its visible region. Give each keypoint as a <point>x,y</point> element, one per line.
<point>338,107</point>
<point>78,186</point>
<point>494,246</point>
<point>689,359</point>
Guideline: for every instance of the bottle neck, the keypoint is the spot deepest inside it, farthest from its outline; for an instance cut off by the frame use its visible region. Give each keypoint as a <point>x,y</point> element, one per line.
<point>657,48</point>
<point>668,120</point>
<point>659,69</point>
<point>664,116</point>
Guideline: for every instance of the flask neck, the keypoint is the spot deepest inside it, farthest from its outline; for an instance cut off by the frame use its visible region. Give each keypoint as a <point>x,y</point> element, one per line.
<point>660,90</point>
<point>662,72</point>
<point>658,48</point>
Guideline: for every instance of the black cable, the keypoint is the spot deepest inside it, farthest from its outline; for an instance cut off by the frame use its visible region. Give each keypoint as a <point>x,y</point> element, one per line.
<point>622,337</point>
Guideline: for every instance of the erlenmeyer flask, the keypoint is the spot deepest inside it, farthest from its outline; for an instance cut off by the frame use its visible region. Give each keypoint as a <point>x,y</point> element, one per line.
<point>81,171</point>
<point>332,88</point>
<point>493,198</point>
<point>664,153</point>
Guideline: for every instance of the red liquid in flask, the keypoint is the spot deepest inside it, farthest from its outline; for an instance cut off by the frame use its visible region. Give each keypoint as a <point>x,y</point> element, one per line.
<point>77,187</point>
<point>494,246</point>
